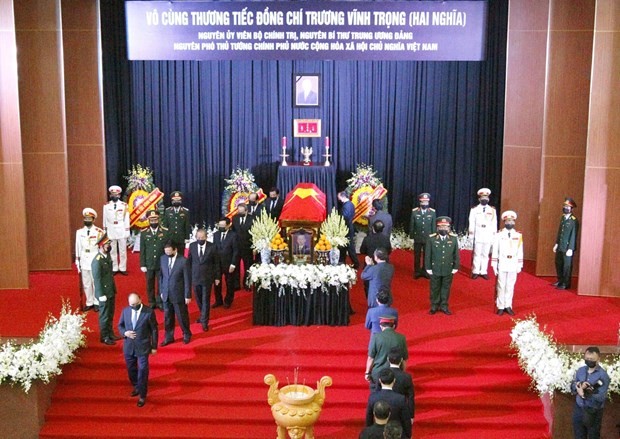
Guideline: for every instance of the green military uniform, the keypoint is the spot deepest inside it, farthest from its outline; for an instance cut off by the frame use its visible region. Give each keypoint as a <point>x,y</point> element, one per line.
<point>422,224</point>
<point>442,257</point>
<point>151,248</point>
<point>176,220</point>
<point>566,240</point>
<point>379,349</point>
<point>104,287</point>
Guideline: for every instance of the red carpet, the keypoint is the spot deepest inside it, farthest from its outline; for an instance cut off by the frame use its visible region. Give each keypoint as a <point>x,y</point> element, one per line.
<point>468,385</point>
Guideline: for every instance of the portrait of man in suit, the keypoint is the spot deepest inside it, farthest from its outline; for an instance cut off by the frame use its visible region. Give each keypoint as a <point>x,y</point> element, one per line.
<point>175,289</point>
<point>138,326</point>
<point>307,90</point>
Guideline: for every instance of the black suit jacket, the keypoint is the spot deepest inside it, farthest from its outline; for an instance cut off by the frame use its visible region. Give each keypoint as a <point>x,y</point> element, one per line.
<point>243,232</point>
<point>398,405</point>
<point>257,210</point>
<point>373,241</point>
<point>206,269</point>
<point>403,384</point>
<point>175,284</point>
<point>228,250</point>
<point>146,331</point>
<point>277,208</point>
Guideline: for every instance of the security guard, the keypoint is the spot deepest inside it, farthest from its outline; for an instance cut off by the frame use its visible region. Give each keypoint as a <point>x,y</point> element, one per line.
<point>422,224</point>
<point>442,262</point>
<point>105,289</point>
<point>566,245</point>
<point>176,220</point>
<point>85,250</point>
<point>507,262</point>
<point>152,239</point>
<point>116,226</point>
<point>482,230</point>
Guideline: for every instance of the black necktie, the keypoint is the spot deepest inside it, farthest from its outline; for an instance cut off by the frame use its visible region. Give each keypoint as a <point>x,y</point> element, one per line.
<point>484,209</point>
<point>202,252</point>
<point>242,220</point>
<point>508,234</point>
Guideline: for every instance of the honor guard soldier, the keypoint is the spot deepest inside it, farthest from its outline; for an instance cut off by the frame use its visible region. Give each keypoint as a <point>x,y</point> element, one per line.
<point>105,289</point>
<point>566,245</point>
<point>116,226</point>
<point>422,224</point>
<point>482,230</point>
<point>152,240</point>
<point>507,262</point>
<point>176,220</point>
<point>442,262</point>
<point>85,250</point>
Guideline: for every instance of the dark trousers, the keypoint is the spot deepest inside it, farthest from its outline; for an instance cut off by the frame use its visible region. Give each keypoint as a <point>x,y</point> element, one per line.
<point>350,249</point>
<point>138,371</point>
<point>587,425</point>
<point>151,281</point>
<point>419,250</point>
<point>248,260</point>
<point>203,300</point>
<point>230,287</point>
<point>106,315</point>
<point>440,291</point>
<point>180,310</point>
<point>563,268</point>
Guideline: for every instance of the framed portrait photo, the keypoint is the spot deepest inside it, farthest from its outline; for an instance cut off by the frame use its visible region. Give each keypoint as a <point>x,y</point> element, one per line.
<point>306,89</point>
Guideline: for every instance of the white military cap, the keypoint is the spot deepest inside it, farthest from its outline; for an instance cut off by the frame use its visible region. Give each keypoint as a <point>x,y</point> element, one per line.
<point>509,214</point>
<point>89,212</point>
<point>115,189</point>
<point>484,192</point>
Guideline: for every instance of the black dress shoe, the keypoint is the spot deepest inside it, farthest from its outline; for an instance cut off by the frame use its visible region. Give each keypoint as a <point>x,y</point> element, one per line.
<point>426,275</point>
<point>116,337</point>
<point>96,308</point>
<point>108,341</point>
<point>186,340</point>
<point>555,284</point>
<point>87,308</point>
<point>446,311</point>
<point>166,343</point>
<point>217,305</point>
<point>227,305</point>
<point>124,273</point>
<point>510,311</point>
<point>205,328</point>
<point>417,276</point>
<point>114,273</point>
<point>141,402</point>
<point>484,276</point>
<point>432,311</point>
<point>560,287</point>
<point>474,276</point>
<point>500,312</point>
<point>134,393</point>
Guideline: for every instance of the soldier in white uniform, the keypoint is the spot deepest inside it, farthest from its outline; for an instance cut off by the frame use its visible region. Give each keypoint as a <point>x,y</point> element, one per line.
<point>482,229</point>
<point>85,250</point>
<point>507,262</point>
<point>116,225</point>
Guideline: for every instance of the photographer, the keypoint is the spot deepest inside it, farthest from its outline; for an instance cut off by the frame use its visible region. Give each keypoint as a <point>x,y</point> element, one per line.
<point>590,384</point>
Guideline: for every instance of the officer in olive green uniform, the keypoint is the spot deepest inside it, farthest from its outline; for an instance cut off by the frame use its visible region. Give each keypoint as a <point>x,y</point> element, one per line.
<point>105,289</point>
<point>176,220</point>
<point>422,224</point>
<point>152,241</point>
<point>566,245</point>
<point>442,262</point>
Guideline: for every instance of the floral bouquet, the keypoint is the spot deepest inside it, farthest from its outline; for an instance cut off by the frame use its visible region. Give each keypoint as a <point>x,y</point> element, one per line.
<point>264,230</point>
<point>139,178</point>
<point>364,175</point>
<point>401,240</point>
<point>335,229</point>
<point>238,187</point>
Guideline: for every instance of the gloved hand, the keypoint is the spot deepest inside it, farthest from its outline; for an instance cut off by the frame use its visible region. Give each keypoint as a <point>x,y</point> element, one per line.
<point>555,247</point>
<point>77,264</point>
<point>143,269</point>
<point>103,299</point>
<point>429,272</point>
<point>569,253</point>
<point>455,270</point>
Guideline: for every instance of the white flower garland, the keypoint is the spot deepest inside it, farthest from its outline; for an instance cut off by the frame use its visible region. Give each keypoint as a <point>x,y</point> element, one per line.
<point>551,366</point>
<point>300,277</point>
<point>58,341</point>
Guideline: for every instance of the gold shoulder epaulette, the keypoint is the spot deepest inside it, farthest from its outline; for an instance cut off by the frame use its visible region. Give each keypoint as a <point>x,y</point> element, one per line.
<point>98,257</point>
<point>430,208</point>
<point>415,208</point>
<point>163,228</point>
<point>573,217</point>
<point>453,234</point>
<point>432,235</point>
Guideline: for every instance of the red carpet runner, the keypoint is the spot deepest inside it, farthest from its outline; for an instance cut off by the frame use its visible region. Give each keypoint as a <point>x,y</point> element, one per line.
<point>468,385</point>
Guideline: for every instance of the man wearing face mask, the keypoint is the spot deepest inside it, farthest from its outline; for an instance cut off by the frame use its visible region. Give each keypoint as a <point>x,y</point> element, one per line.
<point>105,290</point>
<point>85,250</point>
<point>175,290</point>
<point>254,207</point>
<point>241,224</point>
<point>482,230</point>
<point>227,244</point>
<point>507,262</point>
<point>205,267</point>
<point>116,225</point>
<point>347,210</point>
<point>139,327</point>
<point>442,262</point>
<point>566,245</point>
<point>274,204</point>
<point>590,385</point>
<point>176,220</point>
<point>422,224</point>
<point>152,239</point>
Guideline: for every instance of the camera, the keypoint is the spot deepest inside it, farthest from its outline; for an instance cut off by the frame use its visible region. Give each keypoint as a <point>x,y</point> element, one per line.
<point>589,389</point>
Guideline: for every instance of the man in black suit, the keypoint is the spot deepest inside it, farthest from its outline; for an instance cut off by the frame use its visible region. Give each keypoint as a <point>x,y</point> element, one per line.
<point>227,245</point>
<point>274,204</point>
<point>381,414</point>
<point>347,211</point>
<point>398,403</point>
<point>241,224</point>
<point>139,327</point>
<point>403,383</point>
<point>205,267</point>
<point>254,206</point>
<point>175,290</point>
<point>381,215</point>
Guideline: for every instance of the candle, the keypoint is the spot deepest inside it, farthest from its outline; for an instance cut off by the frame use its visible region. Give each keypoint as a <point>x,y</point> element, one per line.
<point>327,142</point>
<point>283,142</point>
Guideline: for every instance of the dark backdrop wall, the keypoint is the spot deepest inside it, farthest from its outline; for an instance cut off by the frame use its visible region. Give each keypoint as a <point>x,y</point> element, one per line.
<point>425,126</point>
